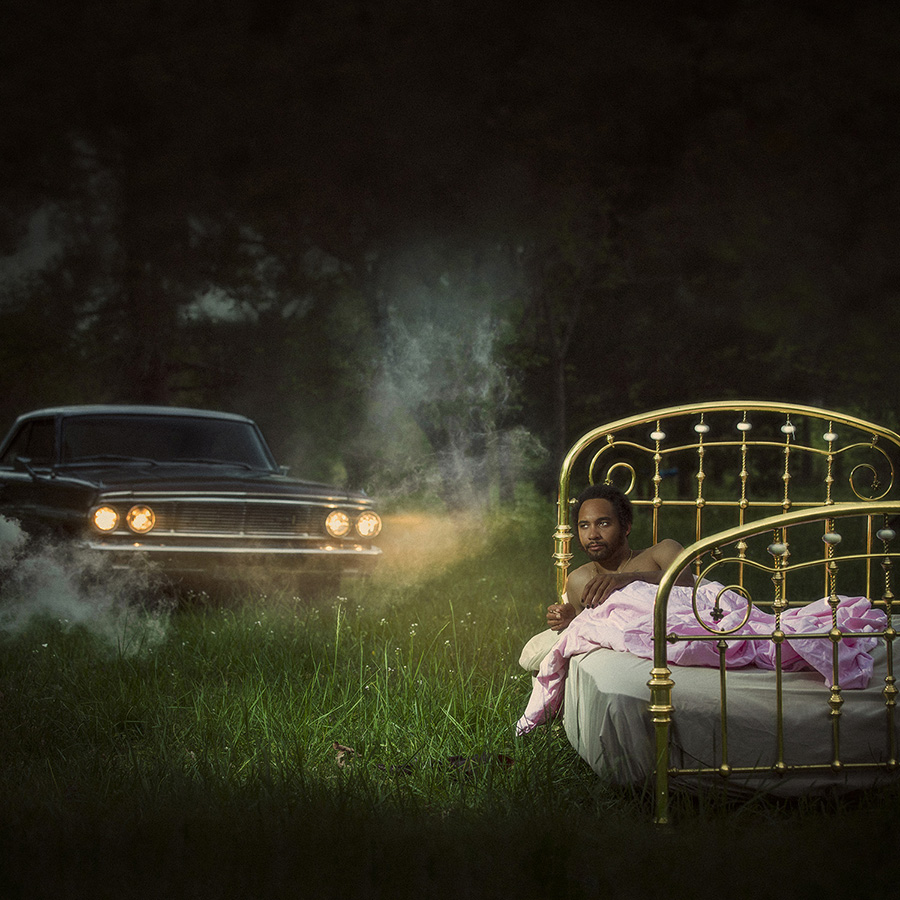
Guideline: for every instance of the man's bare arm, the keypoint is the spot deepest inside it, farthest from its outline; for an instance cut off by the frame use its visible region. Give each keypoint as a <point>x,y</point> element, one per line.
<point>559,615</point>
<point>663,554</point>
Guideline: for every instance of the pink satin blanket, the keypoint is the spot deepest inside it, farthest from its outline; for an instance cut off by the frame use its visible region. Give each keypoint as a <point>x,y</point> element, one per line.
<point>625,622</point>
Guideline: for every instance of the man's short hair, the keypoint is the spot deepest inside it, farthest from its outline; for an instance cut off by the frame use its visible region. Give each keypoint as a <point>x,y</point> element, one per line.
<point>620,503</point>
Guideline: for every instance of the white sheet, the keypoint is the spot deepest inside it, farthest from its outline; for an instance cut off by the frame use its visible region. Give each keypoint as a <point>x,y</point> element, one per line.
<point>606,718</point>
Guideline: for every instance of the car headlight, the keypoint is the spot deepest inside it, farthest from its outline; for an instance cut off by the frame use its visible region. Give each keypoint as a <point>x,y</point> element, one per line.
<point>337,523</point>
<point>105,518</point>
<point>140,519</point>
<point>368,524</point>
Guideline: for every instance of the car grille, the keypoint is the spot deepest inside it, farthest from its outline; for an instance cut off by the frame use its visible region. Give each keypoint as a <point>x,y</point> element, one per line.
<point>252,519</point>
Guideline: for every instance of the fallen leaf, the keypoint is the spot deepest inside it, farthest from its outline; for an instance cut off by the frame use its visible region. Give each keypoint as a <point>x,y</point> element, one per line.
<point>343,755</point>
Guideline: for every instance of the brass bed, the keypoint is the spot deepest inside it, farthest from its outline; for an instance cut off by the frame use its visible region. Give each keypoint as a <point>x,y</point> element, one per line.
<point>782,505</point>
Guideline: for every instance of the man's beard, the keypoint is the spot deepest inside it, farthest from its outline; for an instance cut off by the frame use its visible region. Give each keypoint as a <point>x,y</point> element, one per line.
<point>602,554</point>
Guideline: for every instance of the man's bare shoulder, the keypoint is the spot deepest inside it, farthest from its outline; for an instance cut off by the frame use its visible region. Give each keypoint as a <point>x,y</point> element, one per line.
<point>665,553</point>
<point>669,545</point>
<point>659,555</point>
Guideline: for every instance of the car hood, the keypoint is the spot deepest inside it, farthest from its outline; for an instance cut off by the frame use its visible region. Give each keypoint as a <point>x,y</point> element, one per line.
<point>138,479</point>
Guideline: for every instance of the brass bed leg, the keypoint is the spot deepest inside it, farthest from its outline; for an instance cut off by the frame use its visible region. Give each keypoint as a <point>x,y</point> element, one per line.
<point>661,710</point>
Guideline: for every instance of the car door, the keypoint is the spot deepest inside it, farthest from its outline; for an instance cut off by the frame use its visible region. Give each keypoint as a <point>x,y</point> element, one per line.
<point>25,469</point>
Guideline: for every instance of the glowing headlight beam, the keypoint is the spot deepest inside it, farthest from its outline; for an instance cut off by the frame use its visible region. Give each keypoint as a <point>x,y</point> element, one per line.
<point>105,518</point>
<point>368,524</point>
<point>140,519</point>
<point>337,523</point>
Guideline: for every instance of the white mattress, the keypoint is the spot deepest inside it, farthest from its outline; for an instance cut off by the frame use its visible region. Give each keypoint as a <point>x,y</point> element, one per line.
<point>606,718</point>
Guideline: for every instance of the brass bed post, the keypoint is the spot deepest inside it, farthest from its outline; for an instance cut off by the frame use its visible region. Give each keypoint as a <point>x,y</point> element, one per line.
<point>835,698</point>
<point>562,537</point>
<point>701,429</point>
<point>656,436</point>
<point>661,710</point>
<point>744,428</point>
<point>661,684</point>
<point>886,534</point>
<point>780,552</point>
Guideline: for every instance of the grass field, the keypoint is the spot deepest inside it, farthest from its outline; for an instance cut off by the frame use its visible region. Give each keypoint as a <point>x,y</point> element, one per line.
<point>362,746</point>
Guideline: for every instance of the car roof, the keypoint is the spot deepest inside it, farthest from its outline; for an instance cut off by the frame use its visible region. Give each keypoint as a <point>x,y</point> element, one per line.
<point>127,409</point>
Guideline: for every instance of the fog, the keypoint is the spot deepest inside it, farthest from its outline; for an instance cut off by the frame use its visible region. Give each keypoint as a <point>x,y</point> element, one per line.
<point>76,588</point>
<point>441,416</point>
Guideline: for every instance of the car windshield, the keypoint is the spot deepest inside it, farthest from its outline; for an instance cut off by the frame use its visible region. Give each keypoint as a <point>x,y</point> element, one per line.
<point>163,439</point>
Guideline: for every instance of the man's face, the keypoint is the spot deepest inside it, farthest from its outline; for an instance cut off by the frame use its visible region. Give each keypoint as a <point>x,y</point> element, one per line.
<point>599,530</point>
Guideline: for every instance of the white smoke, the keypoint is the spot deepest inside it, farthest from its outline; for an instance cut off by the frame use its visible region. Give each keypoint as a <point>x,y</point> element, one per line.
<point>77,588</point>
<point>439,419</point>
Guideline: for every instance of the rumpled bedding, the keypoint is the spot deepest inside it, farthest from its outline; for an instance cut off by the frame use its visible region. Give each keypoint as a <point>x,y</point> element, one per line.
<point>625,622</point>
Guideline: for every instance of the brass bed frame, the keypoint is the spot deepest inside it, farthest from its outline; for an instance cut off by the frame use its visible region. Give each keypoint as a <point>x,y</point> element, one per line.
<point>743,484</point>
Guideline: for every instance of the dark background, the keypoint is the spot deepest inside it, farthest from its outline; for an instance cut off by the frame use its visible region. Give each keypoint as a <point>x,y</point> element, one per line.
<point>427,244</point>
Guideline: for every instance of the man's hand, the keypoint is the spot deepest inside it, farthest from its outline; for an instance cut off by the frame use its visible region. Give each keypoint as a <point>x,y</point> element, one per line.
<point>598,589</point>
<point>559,615</point>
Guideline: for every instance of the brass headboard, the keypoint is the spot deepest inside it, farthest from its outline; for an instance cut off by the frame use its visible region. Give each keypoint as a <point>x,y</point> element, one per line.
<point>743,459</point>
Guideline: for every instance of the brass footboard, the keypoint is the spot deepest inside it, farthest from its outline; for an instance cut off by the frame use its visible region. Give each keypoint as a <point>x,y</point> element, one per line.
<point>880,550</point>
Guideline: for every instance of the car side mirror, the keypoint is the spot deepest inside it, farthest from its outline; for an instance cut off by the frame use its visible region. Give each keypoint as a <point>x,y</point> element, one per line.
<point>24,464</point>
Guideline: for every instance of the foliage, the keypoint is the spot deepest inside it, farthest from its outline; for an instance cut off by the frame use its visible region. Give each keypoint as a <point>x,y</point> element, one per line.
<point>239,203</point>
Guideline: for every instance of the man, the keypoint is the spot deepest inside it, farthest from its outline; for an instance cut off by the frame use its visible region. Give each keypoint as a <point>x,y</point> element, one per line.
<point>603,518</point>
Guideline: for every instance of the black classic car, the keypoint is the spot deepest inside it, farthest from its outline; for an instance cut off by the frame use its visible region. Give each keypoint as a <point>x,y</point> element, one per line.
<point>195,494</point>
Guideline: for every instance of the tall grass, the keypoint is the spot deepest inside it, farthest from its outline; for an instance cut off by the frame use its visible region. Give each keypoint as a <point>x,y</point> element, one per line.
<point>359,746</point>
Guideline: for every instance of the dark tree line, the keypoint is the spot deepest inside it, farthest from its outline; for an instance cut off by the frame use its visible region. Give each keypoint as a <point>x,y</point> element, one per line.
<point>397,231</point>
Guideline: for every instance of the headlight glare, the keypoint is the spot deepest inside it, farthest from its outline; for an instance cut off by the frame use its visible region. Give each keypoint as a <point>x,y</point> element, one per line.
<point>337,523</point>
<point>105,518</point>
<point>140,519</point>
<point>368,524</point>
